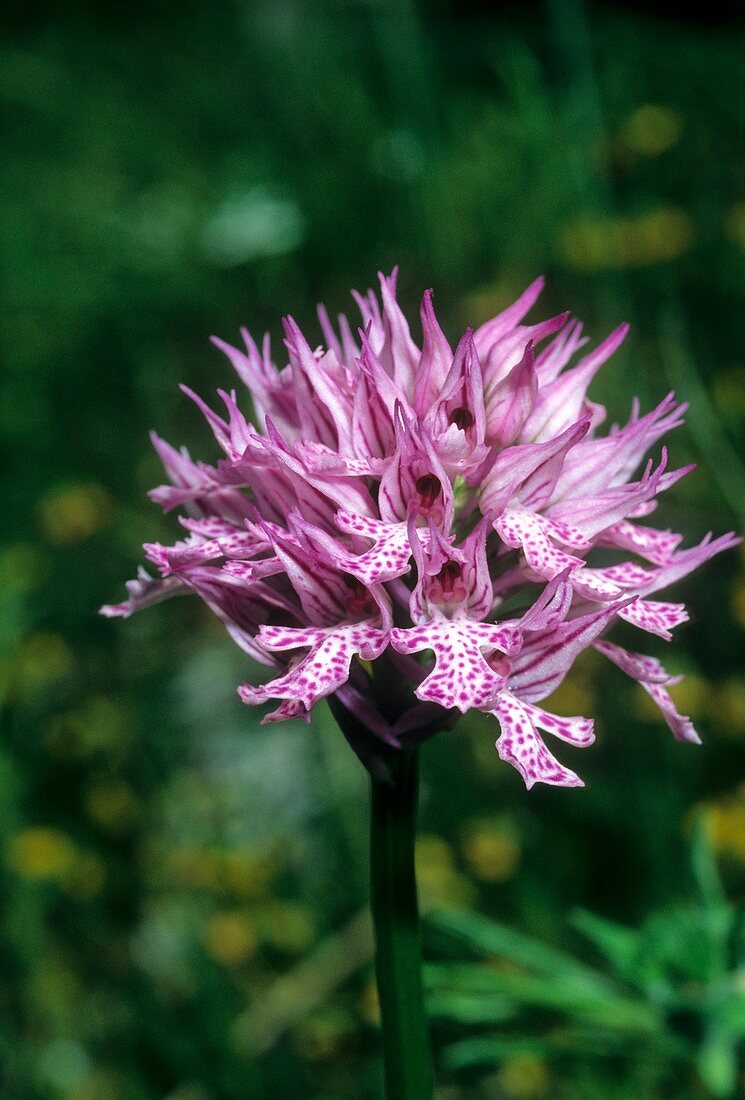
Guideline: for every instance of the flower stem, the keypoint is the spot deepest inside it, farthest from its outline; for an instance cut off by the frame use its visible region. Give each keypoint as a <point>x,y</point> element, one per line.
<point>398,958</point>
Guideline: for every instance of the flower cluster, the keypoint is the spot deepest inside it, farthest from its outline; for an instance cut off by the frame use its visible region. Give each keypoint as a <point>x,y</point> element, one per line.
<point>403,515</point>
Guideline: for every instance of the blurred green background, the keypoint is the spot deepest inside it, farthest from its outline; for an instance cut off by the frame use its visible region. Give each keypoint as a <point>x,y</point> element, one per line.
<point>182,892</point>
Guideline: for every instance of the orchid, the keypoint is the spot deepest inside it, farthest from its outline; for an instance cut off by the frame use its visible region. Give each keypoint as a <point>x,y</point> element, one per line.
<point>411,533</point>
<point>412,530</point>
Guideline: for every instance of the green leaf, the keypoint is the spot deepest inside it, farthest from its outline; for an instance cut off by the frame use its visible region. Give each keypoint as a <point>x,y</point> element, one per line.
<point>569,997</point>
<point>619,944</point>
<point>486,937</point>
<point>717,1064</point>
<point>490,1051</point>
<point>469,1008</point>
<point>731,1011</point>
<point>705,871</point>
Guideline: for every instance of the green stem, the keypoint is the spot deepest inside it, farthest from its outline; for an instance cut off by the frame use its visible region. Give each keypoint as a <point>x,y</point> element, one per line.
<point>398,958</point>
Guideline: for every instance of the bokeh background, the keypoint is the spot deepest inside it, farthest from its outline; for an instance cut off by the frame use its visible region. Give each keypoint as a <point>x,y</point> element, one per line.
<point>182,891</point>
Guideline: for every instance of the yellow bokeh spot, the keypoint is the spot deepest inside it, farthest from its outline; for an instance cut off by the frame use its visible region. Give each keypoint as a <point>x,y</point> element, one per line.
<point>97,724</point>
<point>725,820</point>
<point>112,804</point>
<point>491,850</point>
<point>241,874</point>
<point>322,1034</point>
<point>102,1083</point>
<point>23,566</point>
<point>433,851</point>
<point>248,874</point>
<point>440,882</point>
<point>196,868</point>
<point>574,696</point>
<point>595,244</point>
<point>728,704</point>
<point>728,388</point>
<point>287,926</point>
<point>45,854</point>
<point>42,659</point>
<point>524,1076</point>
<point>75,513</point>
<point>230,938</point>
<point>652,130</point>
<point>369,1004</point>
<point>42,853</point>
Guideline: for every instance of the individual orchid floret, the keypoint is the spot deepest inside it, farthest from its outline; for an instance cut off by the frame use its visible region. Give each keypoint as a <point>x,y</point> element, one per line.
<point>415,477</point>
<point>409,531</point>
<point>457,415</point>
<point>549,651</point>
<point>452,597</point>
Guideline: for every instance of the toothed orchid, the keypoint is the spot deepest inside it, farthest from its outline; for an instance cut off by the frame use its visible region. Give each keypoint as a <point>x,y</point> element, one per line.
<point>408,531</point>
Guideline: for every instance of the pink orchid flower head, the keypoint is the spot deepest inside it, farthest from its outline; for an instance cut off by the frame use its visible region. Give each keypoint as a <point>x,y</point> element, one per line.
<point>407,530</point>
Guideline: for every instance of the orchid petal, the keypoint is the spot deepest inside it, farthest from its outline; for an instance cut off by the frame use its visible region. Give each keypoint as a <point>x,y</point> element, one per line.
<point>511,401</point>
<point>531,533</point>
<point>326,666</point>
<point>648,672</point>
<point>655,617</point>
<point>521,746</point>
<point>547,656</point>
<point>144,591</point>
<point>461,676</point>
<point>436,359</point>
